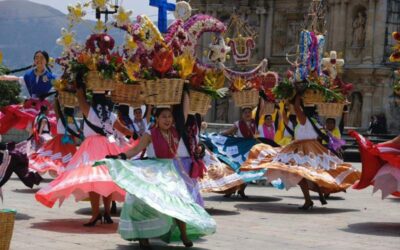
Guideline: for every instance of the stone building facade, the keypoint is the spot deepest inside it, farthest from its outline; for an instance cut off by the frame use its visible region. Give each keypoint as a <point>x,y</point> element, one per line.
<point>359,30</point>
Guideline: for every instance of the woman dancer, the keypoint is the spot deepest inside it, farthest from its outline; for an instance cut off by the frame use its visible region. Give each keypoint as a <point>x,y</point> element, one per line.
<point>380,165</point>
<point>40,130</point>
<point>80,178</point>
<point>161,201</point>
<point>55,155</point>
<point>304,162</point>
<point>38,83</point>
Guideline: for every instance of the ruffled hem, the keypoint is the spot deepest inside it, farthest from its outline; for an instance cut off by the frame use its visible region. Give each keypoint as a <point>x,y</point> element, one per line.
<point>53,156</point>
<point>79,182</point>
<point>387,180</point>
<point>159,186</point>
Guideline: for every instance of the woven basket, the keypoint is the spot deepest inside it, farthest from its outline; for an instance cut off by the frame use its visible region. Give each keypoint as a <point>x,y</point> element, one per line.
<point>312,97</point>
<point>245,98</point>
<point>96,82</point>
<point>7,219</point>
<point>128,94</point>
<point>163,91</point>
<point>269,108</point>
<point>330,109</point>
<point>200,102</point>
<point>68,99</point>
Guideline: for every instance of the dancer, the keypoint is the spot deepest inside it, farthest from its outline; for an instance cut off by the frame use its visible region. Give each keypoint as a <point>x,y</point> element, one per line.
<point>304,162</point>
<point>162,199</point>
<point>55,155</point>
<point>380,165</point>
<point>141,122</point>
<point>14,161</point>
<point>80,178</point>
<point>38,83</point>
<point>40,130</point>
<point>267,129</point>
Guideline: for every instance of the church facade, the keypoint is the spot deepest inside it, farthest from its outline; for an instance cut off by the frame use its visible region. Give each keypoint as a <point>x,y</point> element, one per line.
<point>359,30</point>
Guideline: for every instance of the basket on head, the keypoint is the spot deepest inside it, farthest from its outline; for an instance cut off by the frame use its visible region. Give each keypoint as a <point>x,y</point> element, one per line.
<point>269,108</point>
<point>312,97</point>
<point>7,218</point>
<point>330,109</point>
<point>128,94</point>
<point>200,102</point>
<point>68,99</point>
<point>163,91</point>
<point>246,98</point>
<point>96,82</point>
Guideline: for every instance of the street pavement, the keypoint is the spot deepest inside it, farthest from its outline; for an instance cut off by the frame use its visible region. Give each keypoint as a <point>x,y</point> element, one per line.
<point>269,219</point>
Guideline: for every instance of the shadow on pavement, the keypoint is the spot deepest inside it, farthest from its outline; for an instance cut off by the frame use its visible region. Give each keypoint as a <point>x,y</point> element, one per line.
<point>88,211</point>
<point>75,226</point>
<point>21,216</point>
<point>45,180</point>
<point>220,212</point>
<point>375,228</point>
<point>282,208</point>
<point>394,199</point>
<point>314,197</point>
<point>156,244</point>
<point>235,198</point>
<point>26,190</point>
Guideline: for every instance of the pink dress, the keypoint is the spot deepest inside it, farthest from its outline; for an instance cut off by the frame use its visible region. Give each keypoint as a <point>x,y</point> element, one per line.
<point>80,177</point>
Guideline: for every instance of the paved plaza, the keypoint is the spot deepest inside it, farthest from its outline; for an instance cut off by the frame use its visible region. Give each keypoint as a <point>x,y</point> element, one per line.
<point>268,220</point>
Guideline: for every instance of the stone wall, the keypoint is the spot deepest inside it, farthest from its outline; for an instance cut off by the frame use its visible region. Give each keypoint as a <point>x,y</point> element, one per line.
<point>358,29</point>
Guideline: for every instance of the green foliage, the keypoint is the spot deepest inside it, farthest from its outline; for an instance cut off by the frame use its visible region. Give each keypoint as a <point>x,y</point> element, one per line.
<point>9,91</point>
<point>284,90</point>
<point>329,94</point>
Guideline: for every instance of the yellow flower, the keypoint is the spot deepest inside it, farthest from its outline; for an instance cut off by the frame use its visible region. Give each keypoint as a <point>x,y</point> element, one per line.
<point>131,69</point>
<point>100,26</point>
<point>239,83</point>
<point>75,13</point>
<point>130,43</point>
<point>214,79</point>
<point>186,63</point>
<point>123,17</point>
<point>67,38</point>
<point>99,4</point>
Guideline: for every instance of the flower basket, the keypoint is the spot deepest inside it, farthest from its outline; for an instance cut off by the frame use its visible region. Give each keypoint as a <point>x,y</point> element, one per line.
<point>245,98</point>
<point>7,218</point>
<point>269,108</point>
<point>312,97</point>
<point>163,91</point>
<point>128,94</point>
<point>199,102</point>
<point>330,109</point>
<point>96,82</point>
<point>68,99</point>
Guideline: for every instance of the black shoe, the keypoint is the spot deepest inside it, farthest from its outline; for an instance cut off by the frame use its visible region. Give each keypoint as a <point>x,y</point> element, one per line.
<point>187,243</point>
<point>107,219</point>
<point>113,210</point>
<point>144,244</point>
<point>93,223</point>
<point>228,195</point>
<point>38,179</point>
<point>242,194</point>
<point>322,200</point>
<point>307,206</point>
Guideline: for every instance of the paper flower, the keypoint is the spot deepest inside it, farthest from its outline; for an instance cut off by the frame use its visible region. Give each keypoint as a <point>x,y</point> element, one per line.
<point>239,84</point>
<point>218,51</point>
<point>122,17</point>
<point>148,32</point>
<point>185,64</point>
<point>132,69</point>
<point>130,45</point>
<point>163,60</point>
<point>214,79</point>
<point>67,39</point>
<point>100,27</point>
<point>101,4</point>
<point>198,75</point>
<point>75,13</point>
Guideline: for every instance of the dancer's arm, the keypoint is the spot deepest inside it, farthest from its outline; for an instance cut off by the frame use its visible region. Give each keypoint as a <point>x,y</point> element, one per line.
<point>299,112</point>
<point>83,105</point>
<point>145,140</point>
<point>230,131</point>
<point>118,125</point>
<point>148,112</point>
<point>186,106</point>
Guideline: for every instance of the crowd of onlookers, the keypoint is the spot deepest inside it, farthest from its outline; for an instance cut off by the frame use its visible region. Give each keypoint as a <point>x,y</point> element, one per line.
<point>378,124</point>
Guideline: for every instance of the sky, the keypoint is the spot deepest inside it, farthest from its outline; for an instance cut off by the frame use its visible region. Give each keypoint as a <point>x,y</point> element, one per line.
<point>137,6</point>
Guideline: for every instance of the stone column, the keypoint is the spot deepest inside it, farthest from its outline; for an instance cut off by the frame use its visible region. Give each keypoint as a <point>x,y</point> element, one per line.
<point>369,30</point>
<point>366,109</point>
<point>268,31</point>
<point>341,45</point>
<point>335,34</point>
<point>331,25</point>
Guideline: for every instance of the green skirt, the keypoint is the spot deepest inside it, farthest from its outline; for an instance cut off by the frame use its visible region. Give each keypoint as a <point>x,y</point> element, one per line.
<point>157,194</point>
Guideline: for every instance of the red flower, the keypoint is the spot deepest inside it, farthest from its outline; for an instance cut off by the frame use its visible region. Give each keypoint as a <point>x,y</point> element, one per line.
<point>396,36</point>
<point>163,60</point>
<point>198,76</point>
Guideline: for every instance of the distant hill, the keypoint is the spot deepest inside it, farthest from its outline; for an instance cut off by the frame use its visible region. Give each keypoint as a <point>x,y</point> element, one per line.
<point>26,27</point>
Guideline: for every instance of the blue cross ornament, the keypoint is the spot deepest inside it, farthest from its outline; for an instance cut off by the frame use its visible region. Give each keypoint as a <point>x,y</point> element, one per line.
<point>163,7</point>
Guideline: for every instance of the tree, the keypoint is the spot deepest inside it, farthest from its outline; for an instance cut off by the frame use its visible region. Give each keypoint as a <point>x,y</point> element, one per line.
<point>9,91</point>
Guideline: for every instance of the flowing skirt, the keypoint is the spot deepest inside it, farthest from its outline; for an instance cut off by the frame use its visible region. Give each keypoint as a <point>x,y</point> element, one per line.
<point>53,156</point>
<point>380,166</point>
<point>80,177</point>
<point>157,194</point>
<point>303,159</point>
<point>21,116</point>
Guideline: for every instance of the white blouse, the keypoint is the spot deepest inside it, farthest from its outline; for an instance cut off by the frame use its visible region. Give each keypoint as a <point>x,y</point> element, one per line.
<point>306,131</point>
<point>95,120</point>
